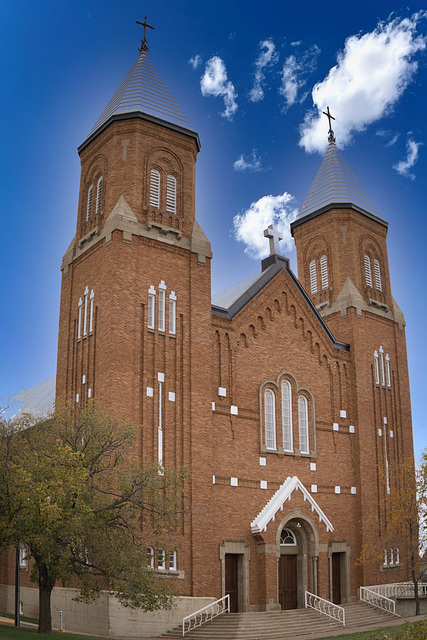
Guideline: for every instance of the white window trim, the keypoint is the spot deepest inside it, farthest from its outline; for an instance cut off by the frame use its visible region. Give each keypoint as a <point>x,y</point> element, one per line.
<point>151,308</point>
<point>289,534</point>
<point>376,368</point>
<point>172,313</point>
<point>382,366</point>
<point>387,370</point>
<point>162,307</point>
<point>150,557</point>
<point>270,419</point>
<point>91,297</point>
<point>79,329</point>
<point>86,295</point>
<point>303,424</point>
<point>172,560</point>
<point>287,435</point>
<point>161,559</point>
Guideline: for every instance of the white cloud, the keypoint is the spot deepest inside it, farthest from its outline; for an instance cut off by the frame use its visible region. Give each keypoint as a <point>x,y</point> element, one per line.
<point>249,225</point>
<point>295,72</point>
<point>370,76</point>
<point>404,166</point>
<point>195,61</point>
<point>390,138</point>
<point>214,82</point>
<point>253,163</point>
<point>266,58</point>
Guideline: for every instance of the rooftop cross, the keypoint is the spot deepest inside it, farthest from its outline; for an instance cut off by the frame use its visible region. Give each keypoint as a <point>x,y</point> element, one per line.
<point>331,135</point>
<point>272,233</point>
<point>144,44</point>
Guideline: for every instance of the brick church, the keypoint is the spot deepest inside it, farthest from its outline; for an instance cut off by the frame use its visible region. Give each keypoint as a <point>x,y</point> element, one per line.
<point>288,397</point>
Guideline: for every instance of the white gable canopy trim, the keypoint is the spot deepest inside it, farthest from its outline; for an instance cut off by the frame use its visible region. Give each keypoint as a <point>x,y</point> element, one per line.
<point>278,500</point>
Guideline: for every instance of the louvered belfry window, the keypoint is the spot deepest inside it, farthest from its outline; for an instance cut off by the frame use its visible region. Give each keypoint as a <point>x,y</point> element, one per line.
<point>99,195</point>
<point>155,188</point>
<point>368,274</point>
<point>89,203</point>
<point>324,272</point>
<point>377,273</point>
<point>171,194</point>
<point>313,277</point>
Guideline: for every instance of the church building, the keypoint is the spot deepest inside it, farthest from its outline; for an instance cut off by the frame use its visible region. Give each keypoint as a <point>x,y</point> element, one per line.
<point>287,396</point>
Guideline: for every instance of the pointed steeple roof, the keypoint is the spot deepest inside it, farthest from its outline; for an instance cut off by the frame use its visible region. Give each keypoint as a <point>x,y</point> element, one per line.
<point>336,184</point>
<point>142,94</point>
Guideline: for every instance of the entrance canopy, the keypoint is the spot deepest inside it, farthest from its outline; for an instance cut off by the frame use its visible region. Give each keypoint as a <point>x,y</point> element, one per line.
<point>278,500</point>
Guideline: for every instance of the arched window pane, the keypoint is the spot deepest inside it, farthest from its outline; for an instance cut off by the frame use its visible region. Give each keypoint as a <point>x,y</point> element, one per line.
<point>377,275</point>
<point>287,538</point>
<point>324,272</point>
<point>89,202</point>
<point>99,195</point>
<point>368,274</point>
<point>171,194</point>
<point>313,277</point>
<point>303,424</point>
<point>287,416</point>
<point>150,557</point>
<point>155,189</point>
<point>270,419</point>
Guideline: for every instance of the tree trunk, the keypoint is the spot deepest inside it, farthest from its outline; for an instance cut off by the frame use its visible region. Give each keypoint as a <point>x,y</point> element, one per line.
<point>46,584</point>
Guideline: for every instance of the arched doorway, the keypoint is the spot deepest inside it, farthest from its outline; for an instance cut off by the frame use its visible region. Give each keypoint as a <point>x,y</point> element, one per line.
<point>297,554</point>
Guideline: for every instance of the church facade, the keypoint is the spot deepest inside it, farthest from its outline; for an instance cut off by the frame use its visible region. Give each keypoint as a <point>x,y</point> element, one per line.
<point>288,397</point>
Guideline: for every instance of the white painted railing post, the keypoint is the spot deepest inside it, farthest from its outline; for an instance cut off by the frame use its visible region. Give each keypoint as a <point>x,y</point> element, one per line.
<point>206,614</point>
<point>325,607</point>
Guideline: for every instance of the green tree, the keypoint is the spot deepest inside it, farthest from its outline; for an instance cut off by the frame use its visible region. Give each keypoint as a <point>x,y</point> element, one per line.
<point>70,493</point>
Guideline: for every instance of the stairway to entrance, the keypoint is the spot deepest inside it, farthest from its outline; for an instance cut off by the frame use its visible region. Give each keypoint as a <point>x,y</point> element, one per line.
<point>280,625</point>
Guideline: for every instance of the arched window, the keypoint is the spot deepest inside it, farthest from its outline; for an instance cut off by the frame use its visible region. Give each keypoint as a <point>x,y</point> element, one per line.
<point>368,274</point>
<point>99,195</point>
<point>89,203</point>
<point>377,273</point>
<point>161,559</point>
<point>171,194</point>
<point>150,557</point>
<point>151,307</point>
<point>155,188</point>
<point>303,424</point>
<point>313,277</point>
<point>287,538</point>
<point>172,560</point>
<point>287,416</point>
<point>376,368</point>
<point>270,419</point>
<point>324,272</point>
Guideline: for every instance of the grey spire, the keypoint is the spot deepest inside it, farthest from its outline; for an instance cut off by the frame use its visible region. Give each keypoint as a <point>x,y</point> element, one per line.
<point>142,93</point>
<point>336,184</point>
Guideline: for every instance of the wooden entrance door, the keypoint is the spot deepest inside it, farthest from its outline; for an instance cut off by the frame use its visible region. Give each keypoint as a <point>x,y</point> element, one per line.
<point>288,582</point>
<point>336,578</point>
<point>232,580</point>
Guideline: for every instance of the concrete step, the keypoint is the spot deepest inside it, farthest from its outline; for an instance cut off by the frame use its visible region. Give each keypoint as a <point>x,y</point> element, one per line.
<point>280,625</point>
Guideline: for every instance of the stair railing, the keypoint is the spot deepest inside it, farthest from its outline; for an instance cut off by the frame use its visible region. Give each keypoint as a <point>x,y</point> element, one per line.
<point>376,599</point>
<point>325,607</point>
<point>399,589</point>
<point>206,614</point>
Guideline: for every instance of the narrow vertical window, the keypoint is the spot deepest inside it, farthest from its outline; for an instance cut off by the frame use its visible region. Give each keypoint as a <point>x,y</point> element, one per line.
<point>397,555</point>
<point>172,560</point>
<point>150,557</point>
<point>324,272</point>
<point>313,277</point>
<point>79,330</point>
<point>155,188</point>
<point>99,195</point>
<point>382,366</point>
<point>385,558</point>
<point>151,307</point>
<point>391,555</point>
<point>368,274</point>
<point>287,416</point>
<point>89,203</point>
<point>161,559</point>
<point>270,419</point>
<point>91,297</point>
<point>387,370</point>
<point>376,367</point>
<point>172,313</point>
<point>162,314</point>
<point>377,273</point>
<point>171,194</point>
<point>303,424</point>
<point>86,294</point>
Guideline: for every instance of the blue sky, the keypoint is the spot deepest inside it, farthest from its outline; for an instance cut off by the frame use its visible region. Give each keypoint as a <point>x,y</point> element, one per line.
<point>250,79</point>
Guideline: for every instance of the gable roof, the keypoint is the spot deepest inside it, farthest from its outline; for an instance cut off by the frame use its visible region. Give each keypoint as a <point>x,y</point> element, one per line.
<point>230,301</point>
<point>278,500</point>
<point>142,94</point>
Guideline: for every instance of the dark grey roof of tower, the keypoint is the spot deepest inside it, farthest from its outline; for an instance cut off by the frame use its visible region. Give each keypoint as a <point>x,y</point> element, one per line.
<point>335,183</point>
<point>142,93</point>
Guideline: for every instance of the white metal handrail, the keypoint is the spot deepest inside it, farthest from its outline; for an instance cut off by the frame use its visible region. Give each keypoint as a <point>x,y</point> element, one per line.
<point>206,614</point>
<point>399,589</point>
<point>325,606</point>
<point>376,599</point>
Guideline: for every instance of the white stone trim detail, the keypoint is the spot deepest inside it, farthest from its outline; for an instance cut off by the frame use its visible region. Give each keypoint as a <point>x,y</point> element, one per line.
<point>234,482</point>
<point>313,466</point>
<point>263,461</point>
<point>222,391</point>
<point>314,488</point>
<point>337,489</point>
<point>160,377</point>
<point>213,406</point>
<point>150,392</point>
<point>353,490</point>
<point>171,396</point>
<point>351,429</point>
<point>234,410</point>
<point>343,413</point>
<point>263,484</point>
<point>336,426</point>
<point>276,503</point>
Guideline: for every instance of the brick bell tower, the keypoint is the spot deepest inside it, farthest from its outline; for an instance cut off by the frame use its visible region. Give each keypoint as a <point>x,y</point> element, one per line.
<point>343,265</point>
<point>135,297</point>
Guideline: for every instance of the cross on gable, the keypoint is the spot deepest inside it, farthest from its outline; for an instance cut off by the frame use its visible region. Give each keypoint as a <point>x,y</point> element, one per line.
<point>144,42</point>
<point>272,233</point>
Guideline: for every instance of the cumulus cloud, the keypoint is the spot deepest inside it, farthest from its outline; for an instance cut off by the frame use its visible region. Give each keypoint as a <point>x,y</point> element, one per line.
<point>266,58</point>
<point>195,61</point>
<point>251,163</point>
<point>249,225</point>
<point>371,74</point>
<point>214,82</point>
<point>295,72</point>
<point>403,167</point>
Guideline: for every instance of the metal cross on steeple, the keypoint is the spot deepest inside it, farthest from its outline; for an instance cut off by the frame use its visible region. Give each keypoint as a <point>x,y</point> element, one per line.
<point>272,233</point>
<point>144,44</point>
<point>331,135</point>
